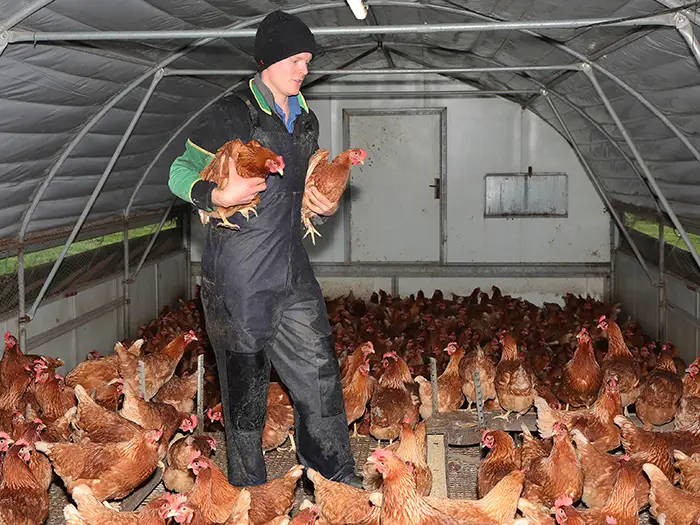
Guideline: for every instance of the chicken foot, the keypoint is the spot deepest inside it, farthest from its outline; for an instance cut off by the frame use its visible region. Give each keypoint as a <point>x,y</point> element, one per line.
<point>504,417</point>
<point>355,434</point>
<point>310,229</point>
<point>225,222</point>
<point>247,211</point>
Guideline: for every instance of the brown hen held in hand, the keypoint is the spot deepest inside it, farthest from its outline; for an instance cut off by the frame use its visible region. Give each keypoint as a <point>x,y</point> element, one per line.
<point>252,160</point>
<point>330,178</point>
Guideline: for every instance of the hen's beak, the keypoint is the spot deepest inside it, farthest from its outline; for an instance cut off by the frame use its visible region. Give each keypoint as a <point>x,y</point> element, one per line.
<point>280,171</point>
<point>362,161</point>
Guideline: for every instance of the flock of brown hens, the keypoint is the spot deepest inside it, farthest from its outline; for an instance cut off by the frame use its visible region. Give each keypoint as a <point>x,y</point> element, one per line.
<point>103,433</point>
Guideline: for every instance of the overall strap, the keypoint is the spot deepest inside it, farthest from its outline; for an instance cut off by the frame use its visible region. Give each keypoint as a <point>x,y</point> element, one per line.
<point>254,116</point>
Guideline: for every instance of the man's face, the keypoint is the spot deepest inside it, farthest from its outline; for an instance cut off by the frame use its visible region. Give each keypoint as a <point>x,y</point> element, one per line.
<point>288,74</point>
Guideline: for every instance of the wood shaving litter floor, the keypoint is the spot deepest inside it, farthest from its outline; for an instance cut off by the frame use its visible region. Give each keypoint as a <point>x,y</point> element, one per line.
<point>462,464</point>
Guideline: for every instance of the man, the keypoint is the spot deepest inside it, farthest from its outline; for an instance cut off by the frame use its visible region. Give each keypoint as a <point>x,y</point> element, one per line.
<point>261,301</point>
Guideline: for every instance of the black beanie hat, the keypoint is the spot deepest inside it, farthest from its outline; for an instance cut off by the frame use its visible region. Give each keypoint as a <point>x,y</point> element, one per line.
<point>280,36</point>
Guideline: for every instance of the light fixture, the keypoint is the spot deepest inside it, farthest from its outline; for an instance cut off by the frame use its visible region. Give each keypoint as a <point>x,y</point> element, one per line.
<point>358,8</point>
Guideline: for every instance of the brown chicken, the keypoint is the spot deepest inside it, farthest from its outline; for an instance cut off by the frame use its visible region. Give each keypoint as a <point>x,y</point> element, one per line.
<point>152,415</point>
<point>691,379</point>
<point>354,360</point>
<point>535,514</point>
<point>596,423</point>
<point>498,506</point>
<point>274,498</point>
<point>186,512</point>
<point>91,511</point>
<point>23,501</point>
<point>211,493</point>
<point>177,476</point>
<point>533,448</point>
<point>111,470</point>
<point>502,459</point>
<point>556,475</point>
<point>411,448</point>
<point>391,402</point>
<point>600,472</point>
<point>620,363</point>
<point>647,446</point>
<point>330,178</point>
<point>581,377</point>
<point>179,392</point>
<point>450,396</point>
<point>98,374</point>
<point>357,394</point>
<point>279,418</point>
<point>51,393</point>
<point>688,413</point>
<point>487,375</point>
<point>341,504</point>
<point>690,471</point>
<point>675,506</point>
<point>159,366</point>
<point>514,380</point>
<point>94,423</point>
<point>659,394</point>
<point>252,160</point>
<point>620,509</point>
<point>400,502</point>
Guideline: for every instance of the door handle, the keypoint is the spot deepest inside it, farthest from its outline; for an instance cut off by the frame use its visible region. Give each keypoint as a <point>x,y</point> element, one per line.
<point>436,188</point>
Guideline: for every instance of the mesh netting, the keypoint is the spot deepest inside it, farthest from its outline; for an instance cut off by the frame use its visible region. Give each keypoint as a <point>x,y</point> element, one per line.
<point>677,258</point>
<point>87,261</point>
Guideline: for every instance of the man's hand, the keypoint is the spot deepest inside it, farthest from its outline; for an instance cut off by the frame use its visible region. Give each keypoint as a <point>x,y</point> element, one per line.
<point>318,203</point>
<point>237,190</point>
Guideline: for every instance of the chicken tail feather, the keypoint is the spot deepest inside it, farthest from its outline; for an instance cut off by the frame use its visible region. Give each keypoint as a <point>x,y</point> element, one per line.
<point>72,516</point>
<point>545,418</point>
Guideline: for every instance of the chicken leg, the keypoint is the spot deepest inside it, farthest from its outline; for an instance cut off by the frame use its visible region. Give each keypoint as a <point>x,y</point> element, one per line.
<point>251,208</point>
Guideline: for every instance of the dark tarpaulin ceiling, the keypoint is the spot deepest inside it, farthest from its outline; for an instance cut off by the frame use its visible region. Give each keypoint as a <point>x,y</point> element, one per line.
<point>49,91</point>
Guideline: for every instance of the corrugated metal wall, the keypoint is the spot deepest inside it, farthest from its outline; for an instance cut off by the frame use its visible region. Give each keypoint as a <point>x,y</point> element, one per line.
<point>484,135</point>
<point>640,302</point>
<point>98,305</point>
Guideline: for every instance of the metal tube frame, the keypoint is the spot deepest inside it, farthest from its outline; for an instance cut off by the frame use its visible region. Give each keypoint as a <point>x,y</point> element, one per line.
<point>379,71</point>
<point>661,328</point>
<point>348,95</point>
<point>642,164</point>
<point>151,242</point>
<point>685,29</point>
<point>193,34</point>
<point>598,187</point>
<point>88,206</point>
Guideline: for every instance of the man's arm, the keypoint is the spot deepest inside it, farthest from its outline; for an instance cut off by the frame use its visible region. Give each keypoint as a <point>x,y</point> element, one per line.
<point>185,181</point>
<point>226,120</point>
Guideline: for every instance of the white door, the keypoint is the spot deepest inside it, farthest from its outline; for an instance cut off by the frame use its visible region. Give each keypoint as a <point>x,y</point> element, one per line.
<point>394,215</point>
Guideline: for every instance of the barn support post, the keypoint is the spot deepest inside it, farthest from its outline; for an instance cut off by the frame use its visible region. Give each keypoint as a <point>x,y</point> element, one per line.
<point>91,201</point>
<point>598,187</point>
<point>193,34</point>
<point>586,68</point>
<point>126,284</point>
<point>152,241</point>
<point>686,30</point>
<point>21,296</point>
<point>661,332</point>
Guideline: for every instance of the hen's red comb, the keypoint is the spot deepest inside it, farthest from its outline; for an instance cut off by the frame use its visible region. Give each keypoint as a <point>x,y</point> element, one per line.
<point>563,501</point>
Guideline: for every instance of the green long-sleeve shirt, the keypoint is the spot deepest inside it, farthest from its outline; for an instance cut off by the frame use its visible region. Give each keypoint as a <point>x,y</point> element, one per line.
<point>185,170</point>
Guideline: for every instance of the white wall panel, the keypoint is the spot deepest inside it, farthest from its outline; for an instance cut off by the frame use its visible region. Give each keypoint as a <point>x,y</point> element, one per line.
<point>535,290</point>
<point>172,280</point>
<point>361,286</point>
<point>639,301</point>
